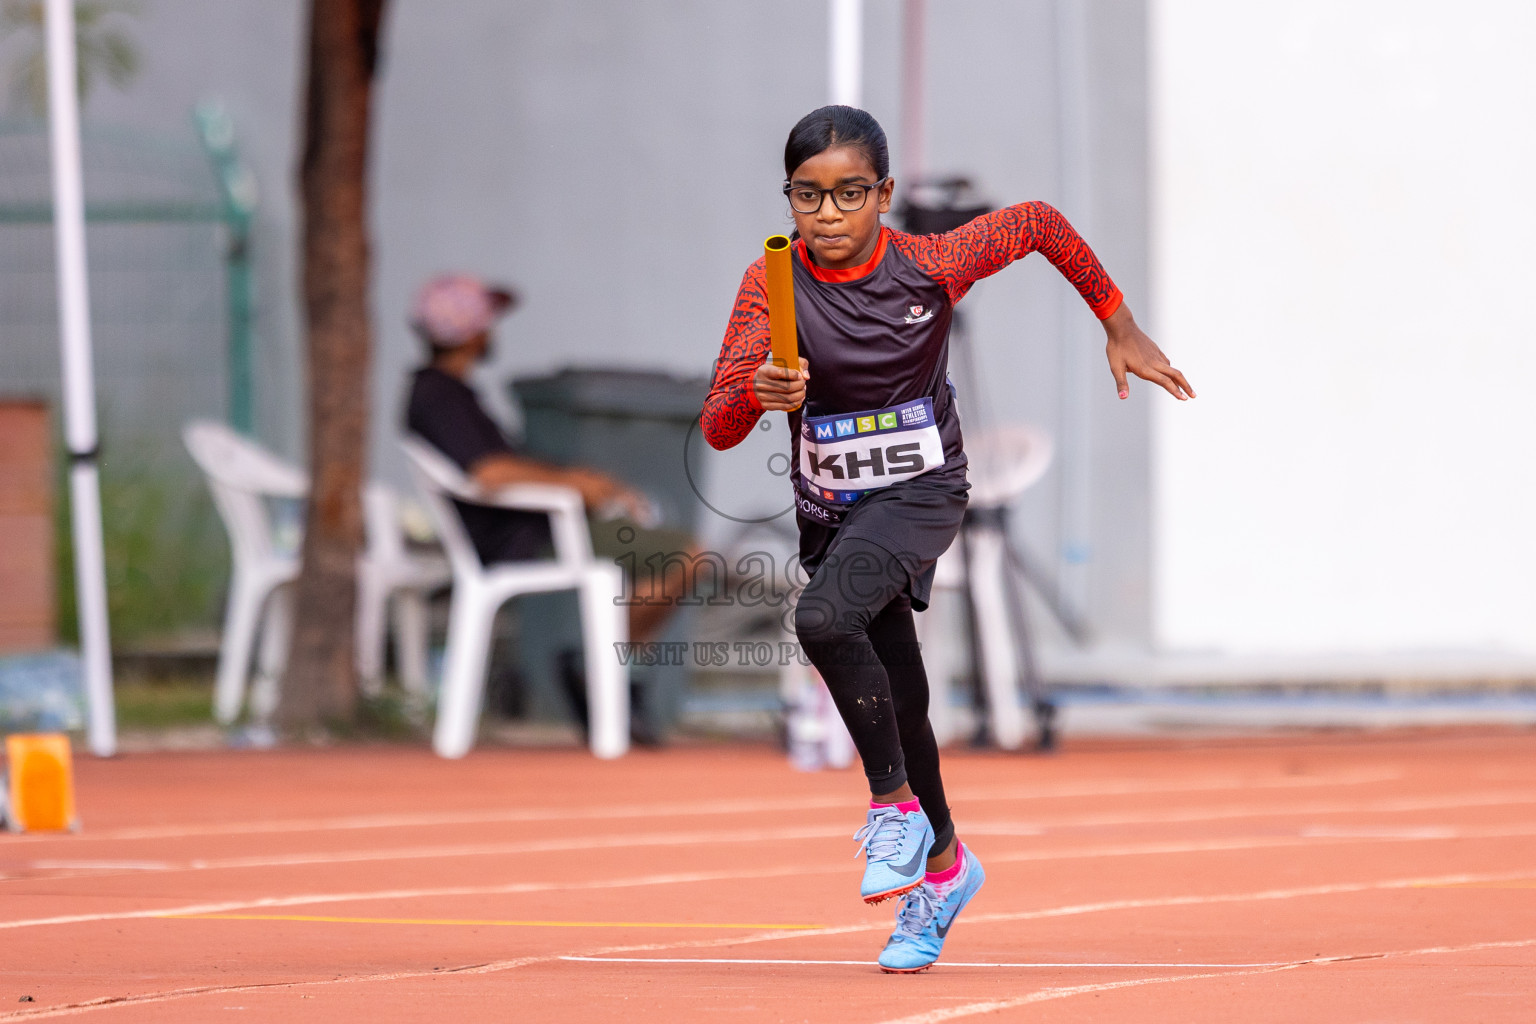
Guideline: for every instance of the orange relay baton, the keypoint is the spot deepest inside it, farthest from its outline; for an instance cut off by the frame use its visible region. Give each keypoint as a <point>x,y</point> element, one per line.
<point>778,255</point>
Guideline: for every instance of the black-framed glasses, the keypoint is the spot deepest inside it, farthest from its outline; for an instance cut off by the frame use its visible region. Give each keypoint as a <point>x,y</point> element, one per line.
<point>849,197</point>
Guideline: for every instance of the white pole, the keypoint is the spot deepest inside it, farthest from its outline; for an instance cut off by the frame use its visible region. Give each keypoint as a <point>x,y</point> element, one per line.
<point>1075,193</point>
<point>79,383</point>
<point>913,65</point>
<point>846,52</point>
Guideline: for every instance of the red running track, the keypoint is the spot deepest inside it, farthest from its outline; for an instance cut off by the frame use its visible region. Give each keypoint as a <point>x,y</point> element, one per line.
<point>1351,877</point>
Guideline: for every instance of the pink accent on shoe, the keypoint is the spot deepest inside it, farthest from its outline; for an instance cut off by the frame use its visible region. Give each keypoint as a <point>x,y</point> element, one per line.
<point>905,807</point>
<point>950,873</point>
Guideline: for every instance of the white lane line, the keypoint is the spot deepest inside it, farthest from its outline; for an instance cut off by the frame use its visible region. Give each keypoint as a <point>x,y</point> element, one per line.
<point>1066,992</point>
<point>1302,840</point>
<point>1382,832</point>
<point>511,888</point>
<point>875,963</point>
<point>1198,784</point>
<point>1109,906</point>
<point>706,807</point>
<point>1408,831</point>
<point>1397,805</point>
<point>491,816</point>
<point>1474,947</point>
<point>111,1002</point>
<point>437,852</point>
<point>1308,837</point>
<point>1005,828</point>
<point>1264,895</point>
<point>99,865</point>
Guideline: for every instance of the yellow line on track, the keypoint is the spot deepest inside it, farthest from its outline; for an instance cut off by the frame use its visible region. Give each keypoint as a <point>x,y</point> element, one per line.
<point>493,924</point>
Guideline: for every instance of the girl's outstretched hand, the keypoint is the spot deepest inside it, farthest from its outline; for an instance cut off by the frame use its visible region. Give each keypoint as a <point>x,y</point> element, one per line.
<point>779,388</point>
<point>1130,350</point>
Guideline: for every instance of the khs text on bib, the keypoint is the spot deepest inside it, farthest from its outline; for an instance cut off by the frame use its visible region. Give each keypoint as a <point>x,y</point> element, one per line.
<point>845,457</point>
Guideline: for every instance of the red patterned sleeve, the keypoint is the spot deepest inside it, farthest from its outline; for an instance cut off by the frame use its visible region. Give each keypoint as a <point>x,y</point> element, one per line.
<point>732,409</point>
<point>958,259</point>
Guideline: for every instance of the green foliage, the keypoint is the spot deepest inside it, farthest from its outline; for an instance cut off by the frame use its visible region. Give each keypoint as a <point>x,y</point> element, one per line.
<point>163,705</point>
<point>102,48</point>
<point>167,558</point>
<point>390,715</point>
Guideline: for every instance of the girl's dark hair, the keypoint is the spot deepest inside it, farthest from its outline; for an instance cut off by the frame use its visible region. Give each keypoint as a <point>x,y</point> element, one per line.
<point>826,127</point>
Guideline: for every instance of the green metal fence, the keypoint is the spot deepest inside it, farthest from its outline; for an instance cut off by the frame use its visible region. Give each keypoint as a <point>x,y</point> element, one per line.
<point>169,226</point>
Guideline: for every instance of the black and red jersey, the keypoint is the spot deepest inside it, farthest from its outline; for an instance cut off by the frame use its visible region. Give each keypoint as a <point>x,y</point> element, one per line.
<point>876,336</point>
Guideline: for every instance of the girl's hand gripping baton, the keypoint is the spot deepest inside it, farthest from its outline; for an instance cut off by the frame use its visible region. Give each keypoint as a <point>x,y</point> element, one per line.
<point>778,255</point>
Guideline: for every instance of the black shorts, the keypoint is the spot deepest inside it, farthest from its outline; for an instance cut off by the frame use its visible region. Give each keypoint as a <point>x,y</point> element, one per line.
<point>915,521</point>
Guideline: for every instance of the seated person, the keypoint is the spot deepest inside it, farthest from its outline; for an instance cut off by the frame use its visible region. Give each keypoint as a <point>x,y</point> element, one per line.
<point>454,315</point>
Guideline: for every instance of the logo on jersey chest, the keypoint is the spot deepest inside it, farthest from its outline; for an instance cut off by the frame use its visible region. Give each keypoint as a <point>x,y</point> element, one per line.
<point>918,314</point>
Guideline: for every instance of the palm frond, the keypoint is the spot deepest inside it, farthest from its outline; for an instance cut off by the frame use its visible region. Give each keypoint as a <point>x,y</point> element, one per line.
<point>102,48</point>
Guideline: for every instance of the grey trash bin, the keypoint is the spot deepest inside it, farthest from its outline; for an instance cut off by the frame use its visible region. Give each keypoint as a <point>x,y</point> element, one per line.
<point>632,424</point>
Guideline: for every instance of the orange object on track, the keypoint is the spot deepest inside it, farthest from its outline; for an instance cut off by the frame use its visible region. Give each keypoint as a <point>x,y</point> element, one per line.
<point>41,791</point>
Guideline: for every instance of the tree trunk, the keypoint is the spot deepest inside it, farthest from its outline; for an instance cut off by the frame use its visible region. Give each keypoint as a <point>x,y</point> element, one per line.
<point>321,682</point>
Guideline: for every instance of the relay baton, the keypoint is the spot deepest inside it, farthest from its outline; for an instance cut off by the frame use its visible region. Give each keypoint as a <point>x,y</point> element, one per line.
<point>777,255</point>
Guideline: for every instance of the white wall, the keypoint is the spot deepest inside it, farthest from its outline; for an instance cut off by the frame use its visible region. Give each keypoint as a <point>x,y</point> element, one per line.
<point>1344,197</point>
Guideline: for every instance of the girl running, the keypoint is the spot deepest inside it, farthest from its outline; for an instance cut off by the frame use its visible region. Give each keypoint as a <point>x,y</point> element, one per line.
<point>880,469</point>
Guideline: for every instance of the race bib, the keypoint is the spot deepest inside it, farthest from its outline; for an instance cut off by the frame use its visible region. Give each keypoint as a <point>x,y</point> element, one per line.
<point>843,458</point>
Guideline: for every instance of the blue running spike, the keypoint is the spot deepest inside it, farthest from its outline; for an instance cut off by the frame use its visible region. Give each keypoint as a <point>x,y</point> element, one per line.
<point>924,920</point>
<point>896,850</point>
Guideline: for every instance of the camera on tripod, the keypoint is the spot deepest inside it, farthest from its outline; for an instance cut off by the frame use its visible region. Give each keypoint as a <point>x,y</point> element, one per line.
<point>933,206</point>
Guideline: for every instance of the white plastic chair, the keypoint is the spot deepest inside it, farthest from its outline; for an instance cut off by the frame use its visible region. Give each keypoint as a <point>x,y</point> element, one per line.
<point>1005,461</point>
<point>479,590</point>
<point>242,476</point>
<point>389,572</point>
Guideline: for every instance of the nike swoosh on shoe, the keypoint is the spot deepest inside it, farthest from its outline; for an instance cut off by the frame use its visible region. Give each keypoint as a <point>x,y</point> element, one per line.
<point>911,865</point>
<point>906,871</point>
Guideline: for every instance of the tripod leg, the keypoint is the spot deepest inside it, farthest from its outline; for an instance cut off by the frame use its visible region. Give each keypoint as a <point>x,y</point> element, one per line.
<point>1040,699</point>
<point>936,639</point>
<point>973,642</point>
<point>999,668</point>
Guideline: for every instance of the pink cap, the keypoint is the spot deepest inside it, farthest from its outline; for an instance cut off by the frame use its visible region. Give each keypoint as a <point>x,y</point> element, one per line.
<point>452,308</point>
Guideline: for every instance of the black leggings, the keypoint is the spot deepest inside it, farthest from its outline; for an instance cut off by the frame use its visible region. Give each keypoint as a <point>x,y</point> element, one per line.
<point>855,623</point>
